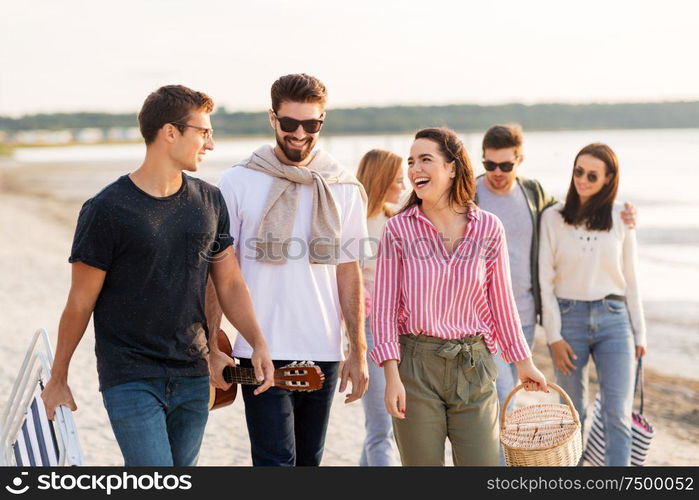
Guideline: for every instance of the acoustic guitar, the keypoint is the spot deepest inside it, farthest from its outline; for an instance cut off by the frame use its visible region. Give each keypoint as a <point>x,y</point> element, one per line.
<point>297,376</point>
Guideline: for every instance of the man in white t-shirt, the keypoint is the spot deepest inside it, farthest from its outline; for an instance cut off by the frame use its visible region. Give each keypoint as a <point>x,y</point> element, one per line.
<point>298,220</point>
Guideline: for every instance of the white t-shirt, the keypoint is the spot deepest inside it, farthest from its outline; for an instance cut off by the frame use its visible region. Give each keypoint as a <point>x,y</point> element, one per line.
<point>296,303</point>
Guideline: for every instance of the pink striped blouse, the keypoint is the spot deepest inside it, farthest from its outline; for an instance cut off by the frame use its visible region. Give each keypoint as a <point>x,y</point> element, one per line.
<point>421,289</point>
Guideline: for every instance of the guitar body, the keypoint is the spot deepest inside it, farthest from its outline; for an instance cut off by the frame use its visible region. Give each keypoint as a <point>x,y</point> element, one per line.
<point>218,398</point>
<point>297,376</point>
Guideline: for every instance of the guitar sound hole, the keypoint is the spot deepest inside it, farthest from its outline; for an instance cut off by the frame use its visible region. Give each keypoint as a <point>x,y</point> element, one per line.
<point>296,383</point>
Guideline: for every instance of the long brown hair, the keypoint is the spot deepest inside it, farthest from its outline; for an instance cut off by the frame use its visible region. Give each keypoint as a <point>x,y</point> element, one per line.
<point>596,214</point>
<point>463,188</point>
<point>377,171</point>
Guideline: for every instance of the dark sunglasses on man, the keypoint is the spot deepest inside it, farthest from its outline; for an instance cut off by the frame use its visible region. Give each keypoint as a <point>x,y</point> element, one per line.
<point>505,166</point>
<point>291,124</point>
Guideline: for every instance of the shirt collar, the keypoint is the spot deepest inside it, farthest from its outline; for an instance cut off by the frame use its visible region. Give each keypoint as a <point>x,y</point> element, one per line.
<point>414,211</point>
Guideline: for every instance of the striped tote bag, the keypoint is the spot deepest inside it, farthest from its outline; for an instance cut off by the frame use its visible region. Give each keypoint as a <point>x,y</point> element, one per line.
<point>641,431</point>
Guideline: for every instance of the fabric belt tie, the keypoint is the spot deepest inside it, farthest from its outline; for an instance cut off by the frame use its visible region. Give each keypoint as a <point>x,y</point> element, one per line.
<point>450,350</point>
<point>464,351</point>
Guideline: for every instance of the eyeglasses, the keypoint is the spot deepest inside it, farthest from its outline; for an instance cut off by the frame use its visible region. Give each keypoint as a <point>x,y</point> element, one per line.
<point>505,166</point>
<point>291,124</point>
<point>208,133</point>
<point>591,176</point>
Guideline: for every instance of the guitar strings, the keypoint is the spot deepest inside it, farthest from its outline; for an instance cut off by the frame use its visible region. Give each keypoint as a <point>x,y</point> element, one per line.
<point>247,375</point>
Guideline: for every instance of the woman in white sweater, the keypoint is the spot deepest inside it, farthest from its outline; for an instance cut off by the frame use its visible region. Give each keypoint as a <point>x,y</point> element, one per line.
<point>590,294</point>
<point>381,173</point>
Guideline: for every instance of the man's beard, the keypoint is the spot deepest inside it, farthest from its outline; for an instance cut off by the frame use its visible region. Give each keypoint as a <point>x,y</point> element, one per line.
<point>295,155</point>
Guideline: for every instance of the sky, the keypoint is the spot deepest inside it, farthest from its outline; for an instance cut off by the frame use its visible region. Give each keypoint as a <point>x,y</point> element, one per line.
<point>75,55</point>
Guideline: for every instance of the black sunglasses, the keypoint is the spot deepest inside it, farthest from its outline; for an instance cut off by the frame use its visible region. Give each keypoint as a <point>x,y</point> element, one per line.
<point>591,176</point>
<point>505,166</point>
<point>291,124</point>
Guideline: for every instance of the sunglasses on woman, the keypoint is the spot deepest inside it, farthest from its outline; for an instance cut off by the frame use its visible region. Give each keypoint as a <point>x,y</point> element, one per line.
<point>291,124</point>
<point>591,176</point>
<point>505,166</point>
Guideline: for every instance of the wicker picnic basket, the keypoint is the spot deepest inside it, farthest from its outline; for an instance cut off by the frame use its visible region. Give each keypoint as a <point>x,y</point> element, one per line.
<point>541,434</point>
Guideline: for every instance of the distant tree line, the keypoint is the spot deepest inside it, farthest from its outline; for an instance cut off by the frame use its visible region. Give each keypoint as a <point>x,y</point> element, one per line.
<point>398,119</point>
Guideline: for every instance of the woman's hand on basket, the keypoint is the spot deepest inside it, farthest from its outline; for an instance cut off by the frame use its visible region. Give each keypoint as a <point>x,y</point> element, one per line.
<point>394,397</point>
<point>530,376</point>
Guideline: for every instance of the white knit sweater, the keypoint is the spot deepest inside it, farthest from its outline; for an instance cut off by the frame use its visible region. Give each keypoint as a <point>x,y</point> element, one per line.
<point>578,264</point>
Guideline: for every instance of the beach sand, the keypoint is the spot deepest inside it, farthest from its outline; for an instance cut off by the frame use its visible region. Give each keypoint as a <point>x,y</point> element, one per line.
<point>38,210</point>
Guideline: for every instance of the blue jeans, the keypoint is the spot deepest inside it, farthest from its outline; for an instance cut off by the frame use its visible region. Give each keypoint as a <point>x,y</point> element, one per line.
<point>287,428</point>
<point>159,421</point>
<point>378,448</point>
<point>507,372</point>
<point>600,329</point>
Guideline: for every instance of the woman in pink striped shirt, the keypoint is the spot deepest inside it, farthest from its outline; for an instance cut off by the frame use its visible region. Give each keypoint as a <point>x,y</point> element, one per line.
<point>443,304</point>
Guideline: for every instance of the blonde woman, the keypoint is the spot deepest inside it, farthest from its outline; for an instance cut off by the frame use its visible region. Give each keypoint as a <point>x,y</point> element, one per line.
<point>381,173</point>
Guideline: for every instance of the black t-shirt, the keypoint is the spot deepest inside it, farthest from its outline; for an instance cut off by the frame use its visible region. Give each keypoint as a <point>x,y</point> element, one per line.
<point>149,317</point>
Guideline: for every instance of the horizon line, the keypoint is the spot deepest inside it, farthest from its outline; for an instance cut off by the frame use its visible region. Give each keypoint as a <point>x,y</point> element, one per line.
<point>386,106</point>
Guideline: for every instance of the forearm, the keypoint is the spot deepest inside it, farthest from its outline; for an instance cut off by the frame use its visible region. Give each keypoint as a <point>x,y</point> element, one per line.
<point>508,329</point>
<point>71,329</point>
<point>507,325</point>
<point>235,302</point>
<point>551,315</point>
<point>524,363</point>
<point>213,312</point>
<point>390,370</point>
<point>384,324</point>
<point>350,291</point>
<point>633,295</point>
<point>387,306</point>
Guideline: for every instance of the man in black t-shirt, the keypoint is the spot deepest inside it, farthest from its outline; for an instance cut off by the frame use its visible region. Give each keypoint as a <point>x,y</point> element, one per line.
<point>143,250</point>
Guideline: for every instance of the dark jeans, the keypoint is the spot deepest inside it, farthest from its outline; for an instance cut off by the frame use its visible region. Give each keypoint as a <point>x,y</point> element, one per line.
<point>287,428</point>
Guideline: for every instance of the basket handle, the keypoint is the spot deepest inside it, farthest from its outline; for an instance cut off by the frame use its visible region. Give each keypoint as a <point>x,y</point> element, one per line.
<point>563,393</point>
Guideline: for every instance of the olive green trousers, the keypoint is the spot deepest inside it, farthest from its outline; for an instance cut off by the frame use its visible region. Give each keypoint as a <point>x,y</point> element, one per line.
<point>450,393</point>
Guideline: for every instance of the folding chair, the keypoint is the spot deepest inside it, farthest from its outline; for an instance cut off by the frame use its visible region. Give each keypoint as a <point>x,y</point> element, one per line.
<point>27,436</point>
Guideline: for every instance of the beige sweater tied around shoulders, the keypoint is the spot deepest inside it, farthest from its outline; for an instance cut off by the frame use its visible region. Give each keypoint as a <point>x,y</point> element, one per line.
<point>279,212</point>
